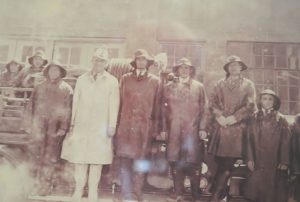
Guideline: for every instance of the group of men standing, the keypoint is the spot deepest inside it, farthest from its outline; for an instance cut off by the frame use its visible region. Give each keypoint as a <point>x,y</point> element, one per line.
<point>108,120</point>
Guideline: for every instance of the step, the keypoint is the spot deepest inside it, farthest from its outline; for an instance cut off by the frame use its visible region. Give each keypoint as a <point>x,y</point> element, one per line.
<point>12,113</point>
<point>13,107</point>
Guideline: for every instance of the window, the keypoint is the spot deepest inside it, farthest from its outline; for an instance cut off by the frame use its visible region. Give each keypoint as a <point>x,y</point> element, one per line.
<point>68,56</point>
<point>270,55</point>
<point>4,53</point>
<point>7,47</point>
<point>274,66</point>
<point>78,54</point>
<point>175,51</point>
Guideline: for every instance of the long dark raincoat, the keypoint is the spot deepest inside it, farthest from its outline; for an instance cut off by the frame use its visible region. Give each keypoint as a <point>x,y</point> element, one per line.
<point>268,146</point>
<point>184,105</point>
<point>231,99</point>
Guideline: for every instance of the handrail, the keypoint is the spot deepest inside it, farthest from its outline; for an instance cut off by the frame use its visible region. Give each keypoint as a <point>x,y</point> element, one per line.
<point>14,99</point>
<point>17,89</point>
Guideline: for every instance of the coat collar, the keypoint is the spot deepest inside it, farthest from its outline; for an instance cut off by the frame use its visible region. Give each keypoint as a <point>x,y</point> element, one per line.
<point>98,76</point>
<point>56,81</point>
<point>186,81</point>
<point>140,75</point>
<point>269,113</point>
<point>36,69</point>
<point>233,83</point>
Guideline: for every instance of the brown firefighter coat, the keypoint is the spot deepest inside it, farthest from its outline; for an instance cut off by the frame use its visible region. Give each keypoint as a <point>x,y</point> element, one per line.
<point>295,146</point>
<point>137,116</point>
<point>227,99</point>
<point>267,146</point>
<point>51,111</point>
<point>184,109</point>
<point>295,157</point>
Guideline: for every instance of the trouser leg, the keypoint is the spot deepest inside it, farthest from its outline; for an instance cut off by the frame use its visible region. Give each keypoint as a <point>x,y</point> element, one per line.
<point>178,178</point>
<point>281,187</point>
<point>225,166</point>
<point>50,156</point>
<point>93,182</point>
<point>126,175</point>
<point>297,188</point>
<point>139,179</point>
<point>37,148</point>
<point>80,176</point>
<point>194,171</point>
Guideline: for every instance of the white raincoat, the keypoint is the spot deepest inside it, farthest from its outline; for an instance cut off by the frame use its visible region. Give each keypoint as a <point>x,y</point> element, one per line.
<point>95,109</point>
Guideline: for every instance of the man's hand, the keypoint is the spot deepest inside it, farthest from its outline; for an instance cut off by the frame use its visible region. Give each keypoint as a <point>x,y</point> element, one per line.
<point>282,167</point>
<point>251,166</point>
<point>71,129</point>
<point>163,136</point>
<point>202,134</point>
<point>222,121</point>
<point>29,79</point>
<point>230,120</point>
<point>111,131</point>
<point>61,132</point>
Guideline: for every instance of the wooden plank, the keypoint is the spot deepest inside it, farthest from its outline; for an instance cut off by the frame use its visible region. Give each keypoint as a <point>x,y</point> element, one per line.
<point>6,98</point>
<point>14,138</point>
<point>16,89</point>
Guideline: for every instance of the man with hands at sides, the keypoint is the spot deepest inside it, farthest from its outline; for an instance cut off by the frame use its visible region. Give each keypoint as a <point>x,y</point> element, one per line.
<point>94,118</point>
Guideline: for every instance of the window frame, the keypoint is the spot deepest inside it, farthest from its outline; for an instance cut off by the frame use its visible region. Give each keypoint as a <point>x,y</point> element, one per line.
<point>87,50</point>
<point>189,44</point>
<point>275,71</point>
<point>11,43</point>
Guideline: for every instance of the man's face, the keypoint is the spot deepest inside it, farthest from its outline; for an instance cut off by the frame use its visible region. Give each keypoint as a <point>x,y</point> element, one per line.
<point>14,67</point>
<point>141,63</point>
<point>184,71</point>
<point>54,72</point>
<point>99,65</point>
<point>37,61</point>
<point>234,68</point>
<point>267,101</point>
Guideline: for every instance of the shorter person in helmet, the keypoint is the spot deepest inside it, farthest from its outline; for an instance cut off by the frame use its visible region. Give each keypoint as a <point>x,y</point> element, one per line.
<point>51,111</point>
<point>295,157</point>
<point>267,151</point>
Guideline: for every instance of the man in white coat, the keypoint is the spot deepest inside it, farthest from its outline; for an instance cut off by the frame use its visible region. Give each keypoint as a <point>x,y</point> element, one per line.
<point>94,118</point>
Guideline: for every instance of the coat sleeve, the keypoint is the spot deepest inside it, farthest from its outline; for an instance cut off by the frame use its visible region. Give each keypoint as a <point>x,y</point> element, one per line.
<point>20,78</point>
<point>30,111</point>
<point>27,80</point>
<point>67,107</point>
<point>249,105</point>
<point>284,143</point>
<point>250,141</point>
<point>203,108</point>
<point>164,106</point>
<point>76,98</point>
<point>215,101</point>
<point>156,115</point>
<point>114,103</point>
<point>122,95</point>
<point>293,146</point>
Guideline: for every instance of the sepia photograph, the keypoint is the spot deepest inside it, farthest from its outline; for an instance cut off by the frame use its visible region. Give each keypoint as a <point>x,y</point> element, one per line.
<point>149,101</point>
